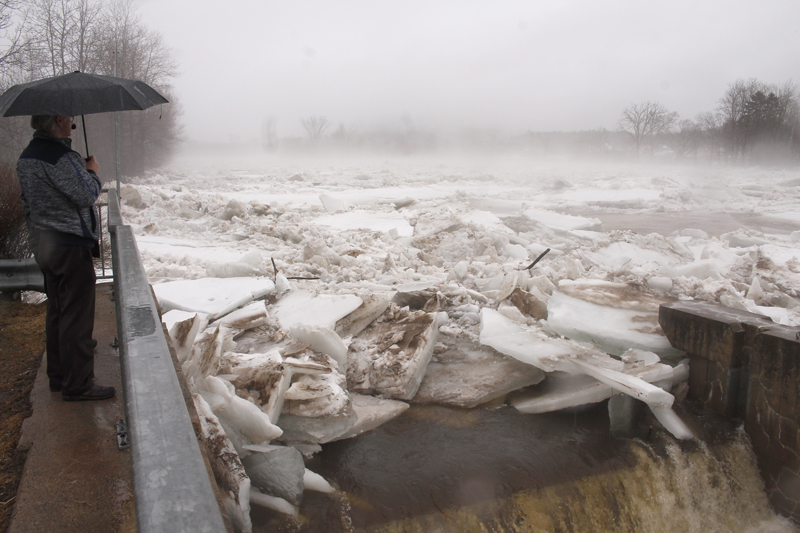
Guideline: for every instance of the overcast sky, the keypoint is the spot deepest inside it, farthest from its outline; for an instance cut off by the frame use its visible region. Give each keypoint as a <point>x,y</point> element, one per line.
<point>507,65</point>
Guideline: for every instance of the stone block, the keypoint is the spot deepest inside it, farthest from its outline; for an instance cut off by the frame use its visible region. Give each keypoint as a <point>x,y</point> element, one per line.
<point>710,331</point>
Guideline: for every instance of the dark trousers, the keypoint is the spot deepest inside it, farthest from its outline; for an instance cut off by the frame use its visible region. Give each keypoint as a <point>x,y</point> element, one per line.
<point>69,281</point>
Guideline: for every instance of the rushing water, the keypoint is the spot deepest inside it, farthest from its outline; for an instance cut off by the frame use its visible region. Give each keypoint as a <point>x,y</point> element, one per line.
<point>494,470</point>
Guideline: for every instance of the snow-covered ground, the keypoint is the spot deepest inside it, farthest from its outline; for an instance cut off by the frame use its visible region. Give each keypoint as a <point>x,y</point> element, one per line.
<point>392,280</point>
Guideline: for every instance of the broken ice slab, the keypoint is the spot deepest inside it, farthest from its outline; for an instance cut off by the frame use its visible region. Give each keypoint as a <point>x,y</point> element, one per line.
<point>368,220</point>
<point>467,375</point>
<point>510,338</point>
<point>245,417</point>
<point>183,328</point>
<point>322,340</point>
<point>315,482</point>
<point>390,357</point>
<point>304,307</point>
<point>272,502</point>
<point>373,305</point>
<point>557,221</point>
<point>317,430</point>
<point>372,412</point>
<point>561,390</point>
<point>277,471</point>
<point>612,329</point>
<point>213,296</point>
<point>333,204</point>
<point>526,345</point>
<point>228,470</point>
<point>630,385</point>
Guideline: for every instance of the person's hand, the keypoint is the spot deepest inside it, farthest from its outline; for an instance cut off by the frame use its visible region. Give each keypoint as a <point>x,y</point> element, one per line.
<point>91,164</point>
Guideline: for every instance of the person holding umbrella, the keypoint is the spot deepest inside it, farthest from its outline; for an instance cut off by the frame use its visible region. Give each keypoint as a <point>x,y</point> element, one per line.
<point>58,189</point>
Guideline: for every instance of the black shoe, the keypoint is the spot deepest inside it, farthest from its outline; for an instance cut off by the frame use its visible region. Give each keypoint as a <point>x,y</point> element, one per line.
<point>97,392</point>
<point>94,344</point>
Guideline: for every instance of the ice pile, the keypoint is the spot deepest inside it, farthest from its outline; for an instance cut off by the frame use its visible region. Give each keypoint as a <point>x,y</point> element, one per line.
<point>379,286</point>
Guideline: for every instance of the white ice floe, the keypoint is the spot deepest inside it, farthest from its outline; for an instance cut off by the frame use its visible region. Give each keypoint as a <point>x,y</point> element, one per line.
<point>368,221</point>
<point>513,339</point>
<point>557,221</point>
<point>613,330</point>
<point>307,308</point>
<point>212,296</point>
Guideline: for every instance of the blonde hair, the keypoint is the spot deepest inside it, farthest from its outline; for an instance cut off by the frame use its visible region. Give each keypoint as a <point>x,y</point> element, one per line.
<point>43,122</point>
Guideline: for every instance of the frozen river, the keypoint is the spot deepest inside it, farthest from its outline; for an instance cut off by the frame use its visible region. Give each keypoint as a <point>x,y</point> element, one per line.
<point>451,238</point>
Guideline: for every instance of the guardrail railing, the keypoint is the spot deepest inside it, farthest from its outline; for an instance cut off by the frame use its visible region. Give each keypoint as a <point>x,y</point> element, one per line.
<point>172,488</point>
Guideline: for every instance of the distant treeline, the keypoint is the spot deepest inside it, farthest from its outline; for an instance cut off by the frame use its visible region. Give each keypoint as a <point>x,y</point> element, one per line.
<point>753,123</point>
<point>53,37</point>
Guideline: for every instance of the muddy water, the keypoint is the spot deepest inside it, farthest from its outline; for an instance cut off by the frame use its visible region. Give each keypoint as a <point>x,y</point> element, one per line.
<point>494,470</point>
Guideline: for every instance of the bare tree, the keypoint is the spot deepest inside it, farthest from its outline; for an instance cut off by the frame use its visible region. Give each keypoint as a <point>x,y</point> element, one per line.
<point>731,108</point>
<point>686,140</point>
<point>644,121</point>
<point>315,126</point>
<point>710,125</point>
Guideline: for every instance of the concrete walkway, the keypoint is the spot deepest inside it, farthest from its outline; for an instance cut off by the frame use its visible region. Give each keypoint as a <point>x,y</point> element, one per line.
<point>75,478</point>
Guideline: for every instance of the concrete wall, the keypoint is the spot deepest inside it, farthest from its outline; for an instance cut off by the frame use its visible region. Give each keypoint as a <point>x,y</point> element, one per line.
<point>745,366</point>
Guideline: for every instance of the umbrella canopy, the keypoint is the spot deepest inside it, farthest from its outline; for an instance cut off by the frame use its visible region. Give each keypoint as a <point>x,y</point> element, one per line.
<point>78,94</point>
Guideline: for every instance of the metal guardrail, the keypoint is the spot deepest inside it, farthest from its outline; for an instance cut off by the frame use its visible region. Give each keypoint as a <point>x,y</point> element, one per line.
<point>172,488</point>
<point>20,275</point>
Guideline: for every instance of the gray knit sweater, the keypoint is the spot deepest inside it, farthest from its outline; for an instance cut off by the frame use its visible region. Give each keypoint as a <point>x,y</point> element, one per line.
<point>57,192</point>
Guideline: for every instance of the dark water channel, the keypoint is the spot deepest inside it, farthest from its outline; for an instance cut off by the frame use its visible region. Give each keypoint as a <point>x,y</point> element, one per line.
<point>441,469</point>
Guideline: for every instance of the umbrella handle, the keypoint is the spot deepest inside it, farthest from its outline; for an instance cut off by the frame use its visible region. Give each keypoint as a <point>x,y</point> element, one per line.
<point>85,142</point>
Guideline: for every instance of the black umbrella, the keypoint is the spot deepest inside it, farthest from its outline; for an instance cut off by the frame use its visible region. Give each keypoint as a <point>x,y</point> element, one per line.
<point>78,94</point>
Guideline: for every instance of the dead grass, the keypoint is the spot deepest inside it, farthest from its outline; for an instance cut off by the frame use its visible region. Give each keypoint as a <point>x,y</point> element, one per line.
<point>22,343</point>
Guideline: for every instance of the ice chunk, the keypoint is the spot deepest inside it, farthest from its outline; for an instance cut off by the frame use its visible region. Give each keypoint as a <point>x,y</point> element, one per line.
<point>390,356</point>
<point>368,220</point>
<point>303,307</point>
<point>560,392</point>
<point>333,204</point>
<point>557,221</point>
<point>313,481</point>
<point>183,328</point>
<point>228,470</point>
<point>270,376</point>
<point>672,422</point>
<point>317,407</point>
<point>231,270</point>
<point>277,471</point>
<point>523,344</point>
<point>317,430</point>
<point>372,412</point>
<point>469,374</point>
<point>248,419</point>
<point>755,292</point>
<point>529,304</point>
<point>631,385</point>
<point>212,296</point>
<point>271,502</point>
<point>614,330</point>
<point>373,305</point>
<point>660,283</point>
<point>322,340</point>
